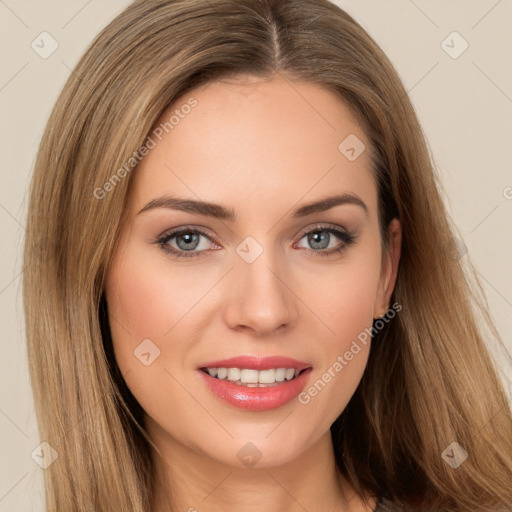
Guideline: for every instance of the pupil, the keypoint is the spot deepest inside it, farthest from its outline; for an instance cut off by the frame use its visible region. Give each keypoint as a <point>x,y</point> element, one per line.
<point>190,238</point>
<point>319,238</point>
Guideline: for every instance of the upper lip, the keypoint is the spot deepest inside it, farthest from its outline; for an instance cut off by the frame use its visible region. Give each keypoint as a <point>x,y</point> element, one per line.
<point>254,362</point>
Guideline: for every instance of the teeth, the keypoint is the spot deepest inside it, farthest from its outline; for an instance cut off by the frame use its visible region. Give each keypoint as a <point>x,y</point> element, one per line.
<point>267,376</point>
<point>222,373</point>
<point>246,376</point>
<point>280,374</point>
<point>290,373</point>
<point>233,374</point>
<point>253,377</point>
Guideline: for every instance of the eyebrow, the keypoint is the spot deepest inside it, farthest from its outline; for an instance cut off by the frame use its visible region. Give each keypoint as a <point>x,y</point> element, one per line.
<point>220,212</point>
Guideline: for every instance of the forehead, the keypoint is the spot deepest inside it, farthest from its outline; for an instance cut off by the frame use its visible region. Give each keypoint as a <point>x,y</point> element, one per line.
<point>255,141</point>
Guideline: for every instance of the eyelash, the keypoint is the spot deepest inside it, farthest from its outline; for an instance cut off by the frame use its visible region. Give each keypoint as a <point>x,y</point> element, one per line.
<point>347,240</point>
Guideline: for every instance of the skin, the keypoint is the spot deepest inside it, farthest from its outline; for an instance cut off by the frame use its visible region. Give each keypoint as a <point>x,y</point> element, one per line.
<point>262,148</point>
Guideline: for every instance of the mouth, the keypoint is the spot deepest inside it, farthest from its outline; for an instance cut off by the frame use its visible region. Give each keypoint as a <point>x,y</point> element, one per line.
<point>256,389</point>
<point>253,378</point>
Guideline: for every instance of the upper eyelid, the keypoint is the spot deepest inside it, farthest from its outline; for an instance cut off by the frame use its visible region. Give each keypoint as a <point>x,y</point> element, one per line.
<point>175,231</point>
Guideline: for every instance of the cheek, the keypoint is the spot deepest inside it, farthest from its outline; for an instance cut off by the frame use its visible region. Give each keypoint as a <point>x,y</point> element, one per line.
<point>148,299</point>
<point>348,314</point>
<point>140,308</point>
<point>344,296</point>
<point>346,310</point>
<point>145,301</point>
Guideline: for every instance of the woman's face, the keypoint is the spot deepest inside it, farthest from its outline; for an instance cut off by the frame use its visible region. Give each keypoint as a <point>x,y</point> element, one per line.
<point>267,281</point>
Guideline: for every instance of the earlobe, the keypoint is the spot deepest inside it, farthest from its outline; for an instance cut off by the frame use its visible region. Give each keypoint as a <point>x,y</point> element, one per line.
<point>389,270</point>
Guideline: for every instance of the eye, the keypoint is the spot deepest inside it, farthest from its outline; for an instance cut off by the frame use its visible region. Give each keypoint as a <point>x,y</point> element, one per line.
<point>186,240</point>
<point>321,237</point>
<point>192,242</point>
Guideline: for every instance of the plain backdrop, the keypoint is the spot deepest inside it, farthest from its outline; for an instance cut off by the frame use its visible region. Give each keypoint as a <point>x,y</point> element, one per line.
<point>460,85</point>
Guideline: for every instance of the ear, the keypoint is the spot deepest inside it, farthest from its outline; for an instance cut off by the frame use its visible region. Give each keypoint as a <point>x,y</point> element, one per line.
<point>389,269</point>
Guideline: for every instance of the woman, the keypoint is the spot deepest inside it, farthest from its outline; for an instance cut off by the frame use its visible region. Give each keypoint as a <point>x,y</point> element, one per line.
<point>242,287</point>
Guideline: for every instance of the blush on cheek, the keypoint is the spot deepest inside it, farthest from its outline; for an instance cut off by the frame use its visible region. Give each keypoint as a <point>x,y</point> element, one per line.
<point>349,309</point>
<point>146,300</point>
<point>133,314</point>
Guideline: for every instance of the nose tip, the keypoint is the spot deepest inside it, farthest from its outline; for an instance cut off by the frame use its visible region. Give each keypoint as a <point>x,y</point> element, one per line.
<point>258,298</point>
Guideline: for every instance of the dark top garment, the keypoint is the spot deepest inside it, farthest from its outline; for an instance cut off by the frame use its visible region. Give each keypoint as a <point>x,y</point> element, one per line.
<point>383,505</point>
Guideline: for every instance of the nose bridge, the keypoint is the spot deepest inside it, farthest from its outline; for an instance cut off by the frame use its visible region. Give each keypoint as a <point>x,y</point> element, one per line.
<point>260,299</point>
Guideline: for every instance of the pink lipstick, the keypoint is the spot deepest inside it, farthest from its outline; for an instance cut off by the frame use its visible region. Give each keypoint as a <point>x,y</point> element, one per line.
<point>256,383</point>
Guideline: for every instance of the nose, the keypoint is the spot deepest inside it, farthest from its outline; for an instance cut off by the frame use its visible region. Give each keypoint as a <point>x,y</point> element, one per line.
<point>260,297</point>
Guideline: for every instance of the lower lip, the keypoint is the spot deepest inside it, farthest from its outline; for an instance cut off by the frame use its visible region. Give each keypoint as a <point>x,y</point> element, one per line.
<point>256,399</point>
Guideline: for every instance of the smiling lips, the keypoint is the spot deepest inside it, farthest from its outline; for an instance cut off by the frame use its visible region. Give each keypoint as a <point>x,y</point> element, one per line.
<point>256,383</point>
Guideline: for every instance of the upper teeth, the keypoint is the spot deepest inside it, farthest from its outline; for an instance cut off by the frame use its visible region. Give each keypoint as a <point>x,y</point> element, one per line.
<point>250,376</point>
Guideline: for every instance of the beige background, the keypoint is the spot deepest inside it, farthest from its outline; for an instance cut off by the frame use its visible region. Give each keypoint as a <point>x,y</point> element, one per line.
<point>464,105</point>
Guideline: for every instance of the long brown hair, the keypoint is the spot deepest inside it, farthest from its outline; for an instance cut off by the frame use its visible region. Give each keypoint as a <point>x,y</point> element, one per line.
<point>430,381</point>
